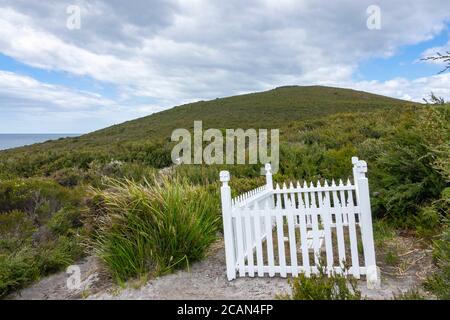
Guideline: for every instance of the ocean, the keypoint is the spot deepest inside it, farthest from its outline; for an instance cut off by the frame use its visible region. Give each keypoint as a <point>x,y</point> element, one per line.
<point>13,140</point>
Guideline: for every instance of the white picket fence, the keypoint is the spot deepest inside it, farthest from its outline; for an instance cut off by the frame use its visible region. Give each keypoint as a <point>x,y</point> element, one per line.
<point>299,229</point>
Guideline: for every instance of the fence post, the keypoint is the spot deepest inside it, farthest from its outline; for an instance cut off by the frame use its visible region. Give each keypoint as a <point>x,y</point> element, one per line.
<point>269,183</point>
<point>225,193</point>
<point>363,196</point>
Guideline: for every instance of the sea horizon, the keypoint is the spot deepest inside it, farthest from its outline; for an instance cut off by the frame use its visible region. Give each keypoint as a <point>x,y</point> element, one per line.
<point>15,140</point>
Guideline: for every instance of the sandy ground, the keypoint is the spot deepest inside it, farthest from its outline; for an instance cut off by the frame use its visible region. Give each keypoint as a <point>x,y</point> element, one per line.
<point>55,287</point>
<point>207,280</point>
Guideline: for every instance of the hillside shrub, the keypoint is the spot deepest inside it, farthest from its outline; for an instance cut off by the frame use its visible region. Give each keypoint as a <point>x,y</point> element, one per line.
<point>322,287</point>
<point>39,198</point>
<point>39,230</point>
<point>408,173</point>
<point>439,282</point>
<point>17,269</point>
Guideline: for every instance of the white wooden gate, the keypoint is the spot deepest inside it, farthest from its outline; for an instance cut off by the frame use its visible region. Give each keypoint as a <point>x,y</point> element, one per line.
<point>293,229</point>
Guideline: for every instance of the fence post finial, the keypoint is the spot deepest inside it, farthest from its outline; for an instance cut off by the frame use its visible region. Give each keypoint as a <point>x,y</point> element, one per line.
<point>363,199</point>
<point>228,236</point>
<point>360,168</point>
<point>269,182</point>
<point>224,177</point>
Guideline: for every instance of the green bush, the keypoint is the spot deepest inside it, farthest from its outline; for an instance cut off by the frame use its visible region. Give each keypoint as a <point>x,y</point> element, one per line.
<point>55,255</point>
<point>17,269</point>
<point>154,227</point>
<point>68,177</point>
<point>382,231</point>
<point>323,287</point>
<point>29,263</point>
<point>439,283</point>
<point>39,225</point>
<point>426,221</point>
<point>408,173</point>
<point>391,257</point>
<point>405,176</point>
<point>411,294</point>
<point>65,221</point>
<point>15,230</point>
<point>39,198</point>
<point>198,174</point>
<point>240,185</point>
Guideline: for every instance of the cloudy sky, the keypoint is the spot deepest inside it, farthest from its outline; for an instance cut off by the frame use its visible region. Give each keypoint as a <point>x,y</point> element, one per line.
<point>127,59</point>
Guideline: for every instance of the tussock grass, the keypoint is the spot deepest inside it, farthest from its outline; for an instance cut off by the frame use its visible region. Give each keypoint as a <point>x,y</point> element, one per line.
<point>154,227</point>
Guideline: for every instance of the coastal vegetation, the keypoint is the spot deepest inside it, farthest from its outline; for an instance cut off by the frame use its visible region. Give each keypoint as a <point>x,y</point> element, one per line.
<point>104,193</point>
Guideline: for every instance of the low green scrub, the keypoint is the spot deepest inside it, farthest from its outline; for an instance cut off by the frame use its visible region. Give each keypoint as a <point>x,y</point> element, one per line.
<point>439,283</point>
<point>17,269</point>
<point>209,174</point>
<point>40,223</point>
<point>30,262</point>
<point>96,171</point>
<point>382,232</point>
<point>405,170</point>
<point>323,287</point>
<point>39,198</point>
<point>153,227</point>
<point>391,257</point>
<point>411,294</point>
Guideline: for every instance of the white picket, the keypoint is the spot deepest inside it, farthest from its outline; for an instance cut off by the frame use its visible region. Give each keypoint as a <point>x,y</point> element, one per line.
<point>280,236</point>
<point>304,240</point>
<point>315,228</point>
<point>327,229</point>
<point>269,240</point>
<point>258,240</point>
<point>240,242</point>
<point>291,229</point>
<point>249,249</point>
<point>307,206</point>
<point>250,218</point>
<point>301,203</point>
<point>344,203</point>
<point>339,227</point>
<point>353,237</point>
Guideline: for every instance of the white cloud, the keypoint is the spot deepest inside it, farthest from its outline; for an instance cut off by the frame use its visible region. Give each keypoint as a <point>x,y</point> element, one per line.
<point>34,104</point>
<point>17,89</point>
<point>172,52</point>
<point>414,90</point>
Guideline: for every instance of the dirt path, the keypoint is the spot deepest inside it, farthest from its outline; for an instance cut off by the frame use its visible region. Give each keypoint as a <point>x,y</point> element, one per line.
<point>54,287</point>
<point>207,280</point>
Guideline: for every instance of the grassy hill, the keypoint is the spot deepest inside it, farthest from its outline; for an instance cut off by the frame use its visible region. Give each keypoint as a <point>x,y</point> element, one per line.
<point>269,109</point>
<point>147,139</point>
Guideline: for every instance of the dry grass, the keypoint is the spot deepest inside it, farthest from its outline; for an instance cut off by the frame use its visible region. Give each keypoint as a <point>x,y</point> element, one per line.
<point>414,257</point>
